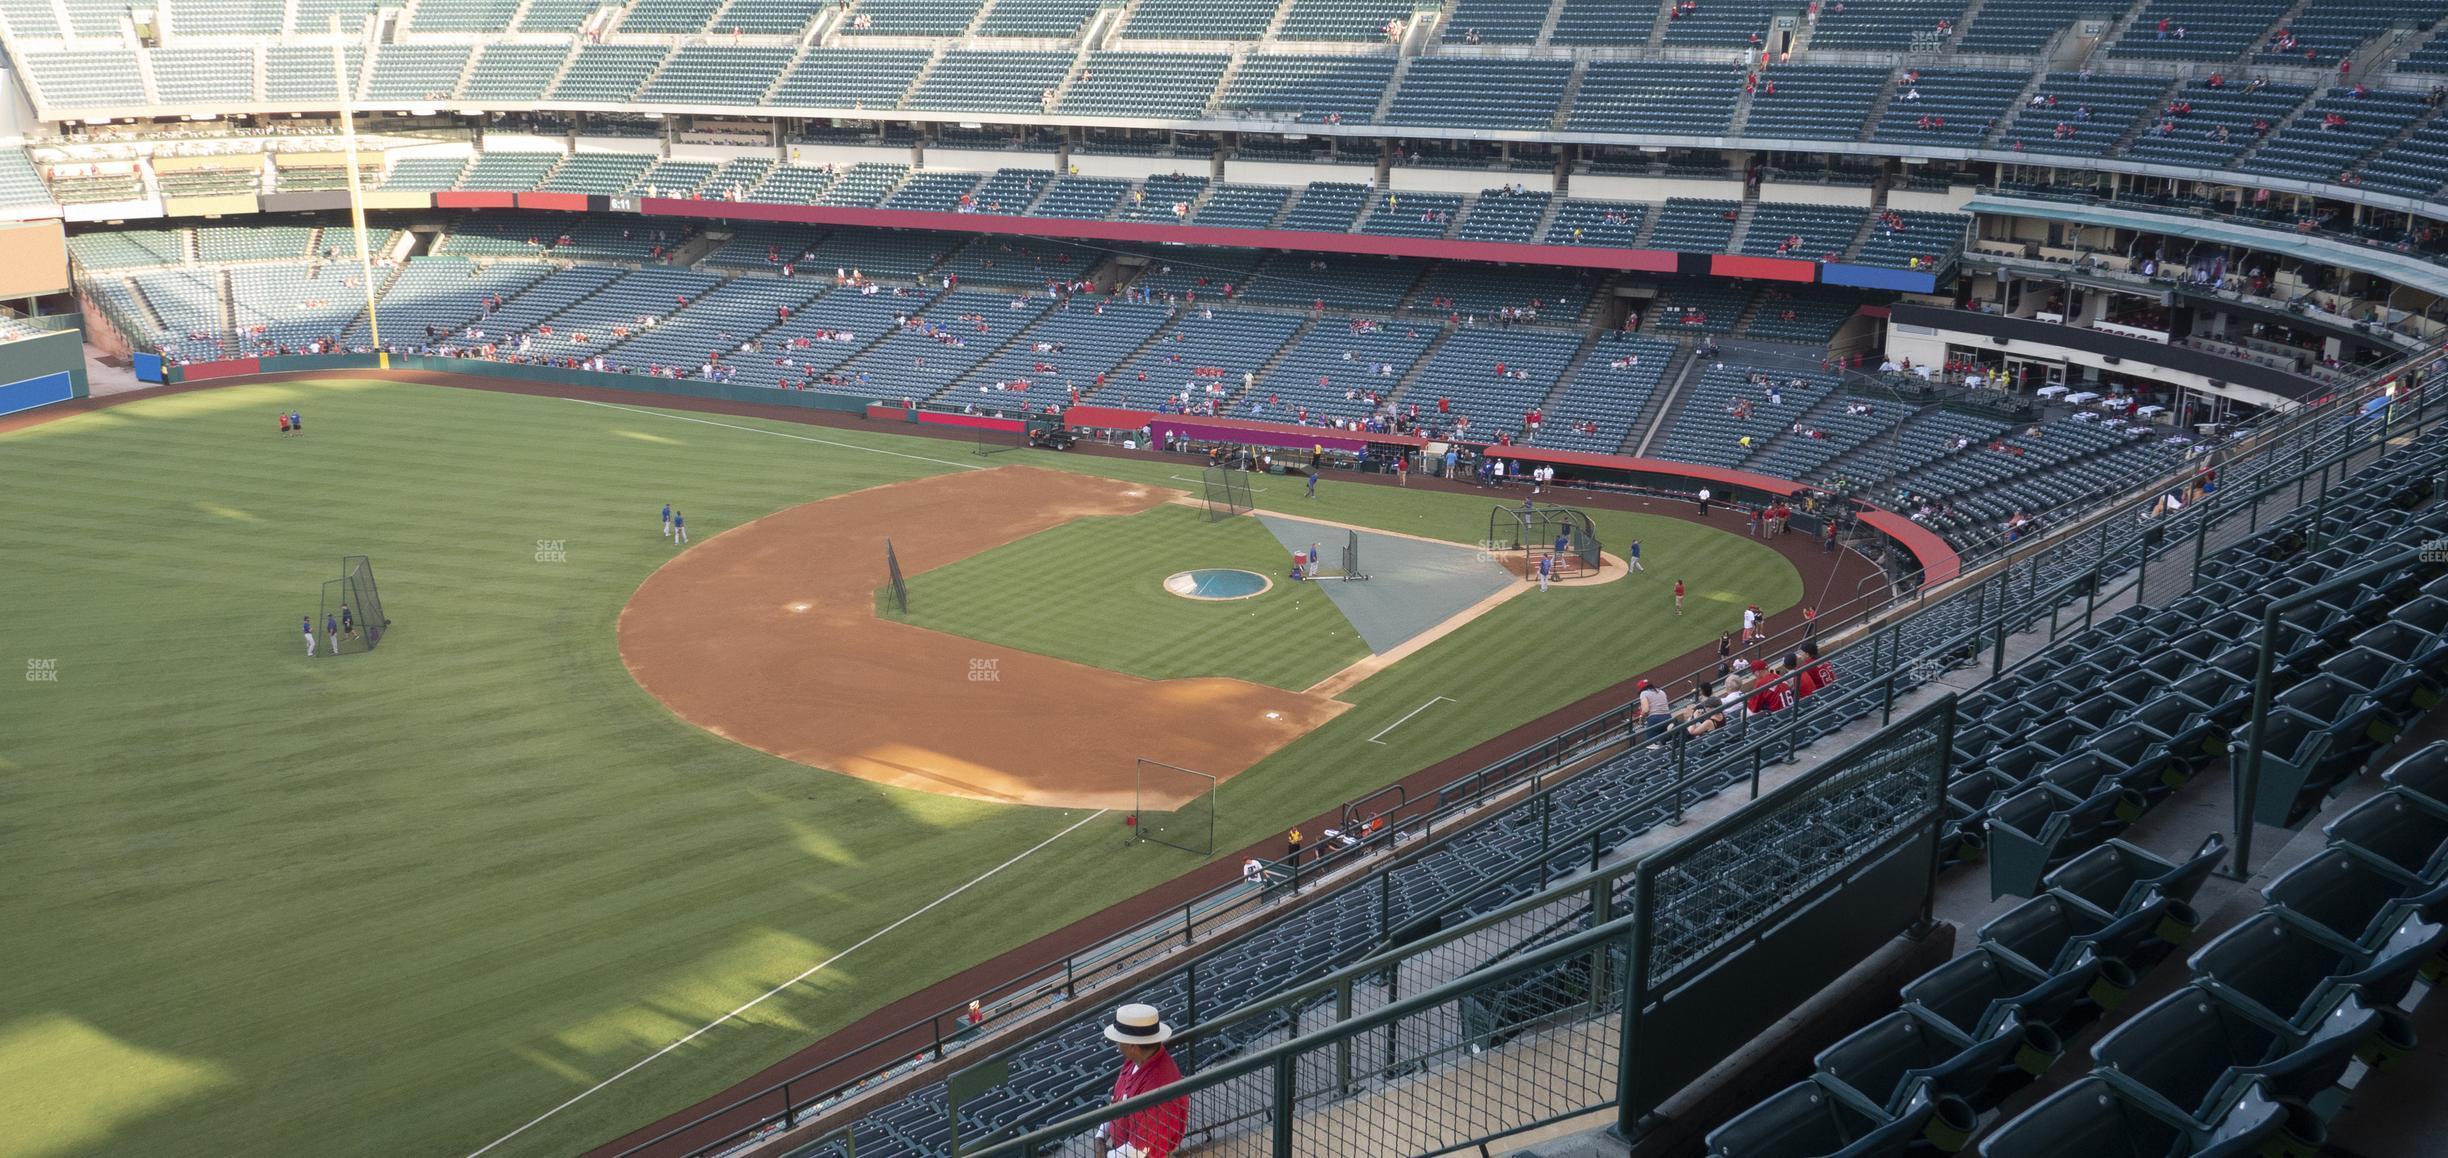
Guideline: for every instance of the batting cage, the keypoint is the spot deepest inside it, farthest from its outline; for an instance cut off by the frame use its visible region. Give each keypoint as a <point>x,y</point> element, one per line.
<point>1174,806</point>
<point>353,602</point>
<point>892,571</point>
<point>1228,492</point>
<point>995,438</point>
<point>1314,565</point>
<point>1520,536</point>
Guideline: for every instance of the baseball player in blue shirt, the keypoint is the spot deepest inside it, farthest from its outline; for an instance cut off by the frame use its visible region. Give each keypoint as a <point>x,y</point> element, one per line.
<point>306,624</point>
<point>348,622</point>
<point>667,520</point>
<point>331,629</point>
<point>679,528</point>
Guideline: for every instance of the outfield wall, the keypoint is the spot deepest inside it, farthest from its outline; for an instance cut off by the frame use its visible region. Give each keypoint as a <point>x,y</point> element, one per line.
<point>1732,486</point>
<point>42,370</point>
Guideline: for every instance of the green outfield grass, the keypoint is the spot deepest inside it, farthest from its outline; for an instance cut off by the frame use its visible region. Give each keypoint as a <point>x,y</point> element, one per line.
<point>405,902</point>
<point>1092,590</point>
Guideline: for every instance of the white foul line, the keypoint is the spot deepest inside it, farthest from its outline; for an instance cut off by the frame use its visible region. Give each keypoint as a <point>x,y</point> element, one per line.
<point>1253,490</point>
<point>776,433</point>
<point>1407,717</point>
<point>812,971</point>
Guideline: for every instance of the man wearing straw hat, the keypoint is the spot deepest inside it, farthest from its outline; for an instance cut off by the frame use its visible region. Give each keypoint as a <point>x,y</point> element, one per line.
<point>1156,1130</point>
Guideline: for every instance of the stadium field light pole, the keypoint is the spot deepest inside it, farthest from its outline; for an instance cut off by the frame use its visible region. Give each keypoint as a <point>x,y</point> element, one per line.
<point>345,91</point>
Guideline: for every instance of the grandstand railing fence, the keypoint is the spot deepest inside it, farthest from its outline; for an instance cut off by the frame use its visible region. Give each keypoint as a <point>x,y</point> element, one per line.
<point>1736,923</point>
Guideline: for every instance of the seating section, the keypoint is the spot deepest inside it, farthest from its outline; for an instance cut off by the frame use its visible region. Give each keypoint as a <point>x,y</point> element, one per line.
<point>1412,214</point>
<point>315,16</point>
<point>1014,82</point>
<point>555,15</point>
<point>29,20</point>
<point>1695,307</point>
<point>302,73</point>
<point>1495,22</point>
<point>204,77</point>
<point>1144,84</point>
<point>1308,88</point>
<point>1037,17</point>
<point>1695,225</point>
<point>703,74</point>
<point>598,173</point>
<point>608,72</point>
<point>227,18</point>
<point>1635,96</point>
<point>83,78</point>
<point>128,248</point>
<point>1534,294</point>
<point>911,17</point>
<point>767,17</point>
<point>1948,106</point>
<point>96,19</point>
<point>1504,215</point>
<point>2326,138</point>
<point>1730,403</point>
<point>1197,361</point>
<point>1594,23</point>
<point>1612,224</point>
<point>1731,22</point>
<point>1164,198</point>
<point>1242,206</point>
<point>1596,410</point>
<point>850,78</point>
<point>2413,167</point>
<point>2081,115</point>
<point>1327,207</point>
<point>90,184</point>
<point>425,174</point>
<point>668,16</point>
<point>1342,19</point>
<point>416,72</point>
<point>1893,26</point>
<point>1376,284</point>
<point>465,15</point>
<point>508,172</point>
<point>1814,101</point>
<point>1083,198</point>
<point>2015,27</point>
<point>1808,232</point>
<point>1239,20</point>
<point>1488,379</point>
<point>1487,93</point>
<point>2197,29</point>
<point>512,72</point>
<point>2215,124</point>
<point>1328,373</point>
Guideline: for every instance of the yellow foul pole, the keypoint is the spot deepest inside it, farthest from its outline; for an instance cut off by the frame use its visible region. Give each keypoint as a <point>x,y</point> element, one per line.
<point>345,87</point>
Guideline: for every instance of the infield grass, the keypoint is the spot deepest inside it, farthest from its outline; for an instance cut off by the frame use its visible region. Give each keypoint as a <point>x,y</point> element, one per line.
<point>1092,591</point>
<point>402,903</point>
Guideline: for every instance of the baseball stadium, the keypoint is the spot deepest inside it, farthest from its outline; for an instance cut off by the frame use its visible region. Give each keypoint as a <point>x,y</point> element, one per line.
<point>1133,578</point>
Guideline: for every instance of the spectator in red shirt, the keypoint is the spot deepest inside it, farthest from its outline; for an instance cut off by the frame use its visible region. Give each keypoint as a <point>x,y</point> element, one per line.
<point>1153,1132</point>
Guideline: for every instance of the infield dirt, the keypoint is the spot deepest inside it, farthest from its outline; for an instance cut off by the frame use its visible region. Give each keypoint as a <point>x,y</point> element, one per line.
<point>767,635</point>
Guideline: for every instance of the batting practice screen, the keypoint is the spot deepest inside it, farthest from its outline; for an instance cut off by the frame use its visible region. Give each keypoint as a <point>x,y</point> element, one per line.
<point>353,601</point>
<point>900,589</point>
<point>1228,492</point>
<point>1175,806</point>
